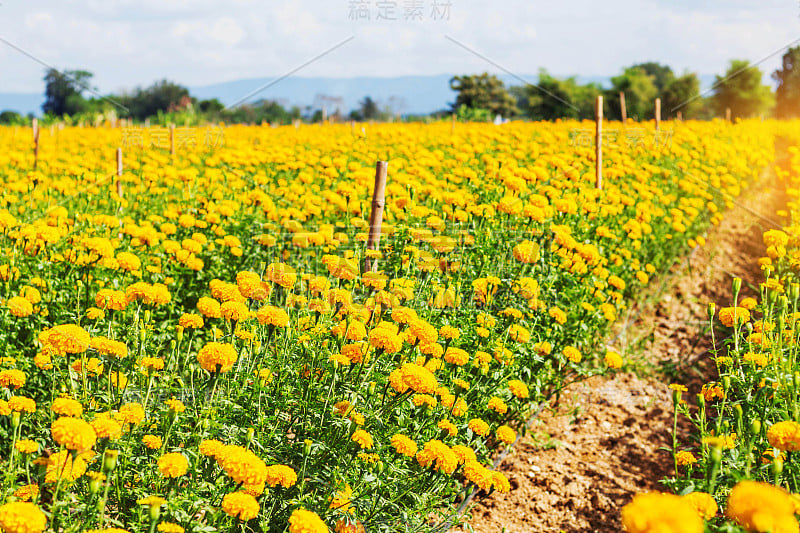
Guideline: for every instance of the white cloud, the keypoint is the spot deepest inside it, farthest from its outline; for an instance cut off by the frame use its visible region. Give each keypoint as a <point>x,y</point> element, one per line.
<point>196,42</point>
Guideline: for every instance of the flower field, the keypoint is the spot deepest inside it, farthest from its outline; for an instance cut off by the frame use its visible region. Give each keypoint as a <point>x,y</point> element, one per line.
<point>739,471</point>
<point>207,351</point>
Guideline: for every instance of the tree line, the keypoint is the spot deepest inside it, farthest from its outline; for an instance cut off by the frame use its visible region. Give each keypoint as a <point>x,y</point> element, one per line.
<point>739,90</point>
<point>69,97</point>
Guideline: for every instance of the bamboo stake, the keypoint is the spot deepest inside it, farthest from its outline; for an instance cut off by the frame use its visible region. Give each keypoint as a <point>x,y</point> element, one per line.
<point>119,172</point>
<point>728,114</point>
<point>623,108</point>
<point>453,124</point>
<point>598,143</point>
<point>376,215</point>
<point>680,116</point>
<point>172,139</point>
<point>35,143</point>
<point>658,114</point>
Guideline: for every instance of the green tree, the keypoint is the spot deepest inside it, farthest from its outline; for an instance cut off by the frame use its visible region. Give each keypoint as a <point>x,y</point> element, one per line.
<point>682,94</point>
<point>662,74</point>
<point>554,98</point>
<point>640,94</point>
<point>741,90</point>
<point>64,91</point>
<point>12,118</point>
<point>162,96</point>
<point>483,91</point>
<point>787,95</point>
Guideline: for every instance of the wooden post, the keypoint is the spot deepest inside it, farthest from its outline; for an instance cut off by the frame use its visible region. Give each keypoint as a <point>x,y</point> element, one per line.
<point>35,143</point>
<point>376,215</point>
<point>119,172</point>
<point>598,143</point>
<point>728,114</point>
<point>172,139</point>
<point>680,116</point>
<point>453,124</point>
<point>658,114</point>
<point>623,108</point>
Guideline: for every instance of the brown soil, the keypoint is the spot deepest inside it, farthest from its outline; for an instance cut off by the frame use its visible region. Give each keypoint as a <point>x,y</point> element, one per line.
<point>600,444</point>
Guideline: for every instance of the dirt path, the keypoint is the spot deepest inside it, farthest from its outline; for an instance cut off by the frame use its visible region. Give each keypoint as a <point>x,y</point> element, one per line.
<point>591,453</point>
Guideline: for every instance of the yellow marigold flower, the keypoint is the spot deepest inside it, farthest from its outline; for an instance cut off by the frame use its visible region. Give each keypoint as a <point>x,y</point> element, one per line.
<point>211,447</point>
<point>449,427</point>
<point>660,512</point>
<point>191,320</point>
<point>497,405</point>
<point>106,427</point>
<point>169,527</point>
<point>506,434</point>
<point>729,315</point>
<point>518,388</point>
<point>61,466</point>
<point>748,303</point>
<point>152,441</point>
<point>209,307</point>
<point>217,356</point>
<point>302,521</point>
<point>703,503</point>
<point>784,436</point>
<point>414,377</point>
<point>478,474</point>
<point>478,426</point>
<point>558,315</point>
<point>711,391</point>
<point>464,454</point>
<point>438,454</point>
<point>111,299</point>
<point>175,405</point>
<point>242,465</point>
<point>761,507</point>
<point>26,446</point>
<point>27,493</point>
<point>22,517</point>
<point>341,500</point>
<point>404,445</point>
<point>363,439</point>
<point>240,505</point>
<point>73,433</point>
<point>94,313</point>
<point>109,347</point>
<point>22,404</point>
<point>132,413</point>
<point>19,307</point>
<point>152,501</point>
<point>526,252</point>
<point>173,465</point>
<point>66,339</point>
<point>685,458</point>
<point>273,316</point>
<point>12,378</point>
<point>282,475</point>
<point>613,360</point>
<point>572,353</point>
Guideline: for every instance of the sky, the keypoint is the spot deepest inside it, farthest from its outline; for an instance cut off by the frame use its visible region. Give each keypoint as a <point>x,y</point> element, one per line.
<point>129,43</point>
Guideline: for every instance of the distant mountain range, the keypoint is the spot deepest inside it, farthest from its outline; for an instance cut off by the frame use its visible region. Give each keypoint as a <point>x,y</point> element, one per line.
<point>405,94</point>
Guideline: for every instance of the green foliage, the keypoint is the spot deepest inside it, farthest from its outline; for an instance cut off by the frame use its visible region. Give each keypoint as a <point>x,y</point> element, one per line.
<point>640,93</point>
<point>787,95</point>
<point>682,94</point>
<point>12,118</point>
<point>741,90</point>
<point>63,91</point>
<point>483,91</point>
